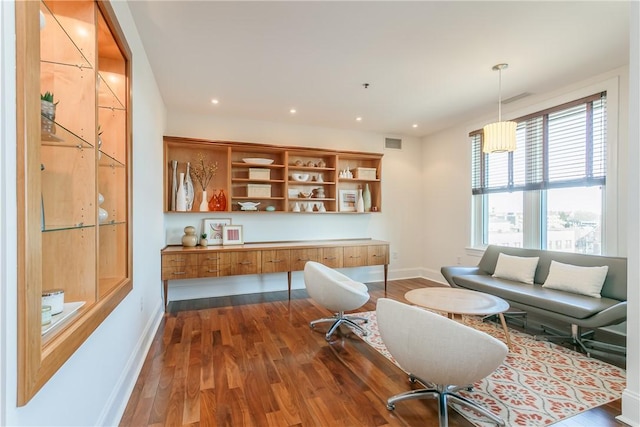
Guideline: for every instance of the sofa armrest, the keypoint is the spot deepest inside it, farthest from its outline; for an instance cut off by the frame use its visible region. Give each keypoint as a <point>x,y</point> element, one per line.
<point>609,316</point>
<point>457,270</point>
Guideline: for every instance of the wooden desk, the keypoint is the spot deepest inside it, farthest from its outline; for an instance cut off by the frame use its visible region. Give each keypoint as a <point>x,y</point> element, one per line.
<point>179,262</point>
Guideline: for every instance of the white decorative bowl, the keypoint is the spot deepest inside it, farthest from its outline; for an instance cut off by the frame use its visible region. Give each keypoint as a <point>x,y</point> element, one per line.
<point>258,160</point>
<point>300,177</point>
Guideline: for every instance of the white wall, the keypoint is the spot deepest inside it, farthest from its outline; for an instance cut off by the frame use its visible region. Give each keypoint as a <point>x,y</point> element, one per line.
<point>93,386</point>
<point>631,395</point>
<point>401,202</point>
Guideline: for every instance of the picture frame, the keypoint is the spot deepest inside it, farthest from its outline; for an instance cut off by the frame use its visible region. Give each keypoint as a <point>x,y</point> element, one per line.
<point>232,235</point>
<point>348,200</point>
<point>213,228</point>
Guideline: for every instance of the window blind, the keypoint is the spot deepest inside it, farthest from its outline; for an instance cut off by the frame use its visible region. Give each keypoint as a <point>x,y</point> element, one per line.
<point>564,146</point>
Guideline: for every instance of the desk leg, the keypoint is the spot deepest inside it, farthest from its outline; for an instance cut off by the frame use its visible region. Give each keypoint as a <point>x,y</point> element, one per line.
<point>289,283</point>
<point>506,330</point>
<point>165,285</point>
<point>386,272</point>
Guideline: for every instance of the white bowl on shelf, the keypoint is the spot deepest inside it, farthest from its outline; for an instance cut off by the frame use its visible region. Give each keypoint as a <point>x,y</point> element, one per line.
<point>258,160</point>
<point>301,177</point>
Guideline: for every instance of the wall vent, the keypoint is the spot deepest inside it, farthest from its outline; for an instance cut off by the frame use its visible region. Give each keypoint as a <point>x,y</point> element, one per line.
<point>393,143</point>
<point>515,98</point>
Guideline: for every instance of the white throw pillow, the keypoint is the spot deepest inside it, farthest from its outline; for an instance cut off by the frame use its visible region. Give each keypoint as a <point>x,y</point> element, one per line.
<point>520,269</point>
<point>579,280</point>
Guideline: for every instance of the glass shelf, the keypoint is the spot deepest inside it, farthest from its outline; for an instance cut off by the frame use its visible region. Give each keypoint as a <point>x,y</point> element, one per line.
<point>53,134</point>
<point>65,51</point>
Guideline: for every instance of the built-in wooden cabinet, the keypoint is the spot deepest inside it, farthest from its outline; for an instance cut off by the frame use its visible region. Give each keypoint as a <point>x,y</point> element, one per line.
<point>180,262</point>
<point>277,178</point>
<point>73,178</point>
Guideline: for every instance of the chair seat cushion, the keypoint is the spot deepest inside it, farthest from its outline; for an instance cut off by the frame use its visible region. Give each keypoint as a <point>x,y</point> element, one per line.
<point>570,304</point>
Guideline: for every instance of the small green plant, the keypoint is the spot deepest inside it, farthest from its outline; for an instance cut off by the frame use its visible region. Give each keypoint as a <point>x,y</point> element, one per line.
<point>203,235</point>
<point>48,96</point>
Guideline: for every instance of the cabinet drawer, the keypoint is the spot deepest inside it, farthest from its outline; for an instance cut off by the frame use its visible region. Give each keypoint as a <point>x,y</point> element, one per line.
<point>355,256</point>
<point>378,254</point>
<point>276,261</point>
<point>299,257</point>
<point>332,257</point>
<point>214,265</point>
<point>179,272</point>
<point>246,262</point>
<point>179,260</point>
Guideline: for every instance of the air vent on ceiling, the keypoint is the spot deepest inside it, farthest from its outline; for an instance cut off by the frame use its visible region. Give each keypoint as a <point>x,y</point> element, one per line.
<point>515,98</point>
<point>393,143</point>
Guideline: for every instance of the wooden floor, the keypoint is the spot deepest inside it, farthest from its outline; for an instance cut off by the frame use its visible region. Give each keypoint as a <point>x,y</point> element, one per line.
<point>252,360</point>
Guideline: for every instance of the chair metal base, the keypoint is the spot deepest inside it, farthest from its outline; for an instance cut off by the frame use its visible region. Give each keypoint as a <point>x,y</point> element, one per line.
<point>444,394</point>
<point>581,340</point>
<point>338,319</point>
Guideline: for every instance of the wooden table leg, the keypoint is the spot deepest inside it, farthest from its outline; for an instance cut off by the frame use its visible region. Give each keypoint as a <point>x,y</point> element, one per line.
<point>386,271</point>
<point>506,330</point>
<point>165,284</point>
<point>289,282</point>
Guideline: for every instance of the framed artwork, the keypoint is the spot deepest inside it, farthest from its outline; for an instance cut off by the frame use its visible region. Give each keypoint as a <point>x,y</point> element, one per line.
<point>348,200</point>
<point>213,228</point>
<point>232,235</point>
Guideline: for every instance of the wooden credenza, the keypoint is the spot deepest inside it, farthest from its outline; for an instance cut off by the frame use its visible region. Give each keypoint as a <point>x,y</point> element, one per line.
<point>179,262</point>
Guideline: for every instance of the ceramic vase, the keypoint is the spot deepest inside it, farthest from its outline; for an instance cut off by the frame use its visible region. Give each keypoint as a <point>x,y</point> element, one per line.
<point>360,201</point>
<point>181,195</point>
<point>102,213</point>
<point>174,183</point>
<point>366,197</point>
<point>188,188</point>
<point>204,205</point>
<point>204,242</point>
<point>189,239</point>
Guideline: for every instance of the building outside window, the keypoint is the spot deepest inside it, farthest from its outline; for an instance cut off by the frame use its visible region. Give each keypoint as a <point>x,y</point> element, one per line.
<point>548,194</point>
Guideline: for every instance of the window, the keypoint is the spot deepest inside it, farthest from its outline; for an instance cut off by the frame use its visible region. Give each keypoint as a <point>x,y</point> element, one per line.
<point>548,193</point>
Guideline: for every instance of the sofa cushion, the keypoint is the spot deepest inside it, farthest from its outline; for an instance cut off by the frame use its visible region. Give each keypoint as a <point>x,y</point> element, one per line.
<point>517,268</point>
<point>572,278</point>
<point>566,303</point>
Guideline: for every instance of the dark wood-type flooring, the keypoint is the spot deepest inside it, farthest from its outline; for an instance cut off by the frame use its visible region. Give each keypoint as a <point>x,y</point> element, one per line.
<point>252,360</point>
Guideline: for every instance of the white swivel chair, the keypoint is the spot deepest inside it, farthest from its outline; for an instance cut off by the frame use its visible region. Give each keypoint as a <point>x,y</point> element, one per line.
<point>441,354</point>
<point>336,292</point>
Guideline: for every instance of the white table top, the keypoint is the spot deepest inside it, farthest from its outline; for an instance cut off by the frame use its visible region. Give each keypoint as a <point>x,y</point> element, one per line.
<point>457,301</point>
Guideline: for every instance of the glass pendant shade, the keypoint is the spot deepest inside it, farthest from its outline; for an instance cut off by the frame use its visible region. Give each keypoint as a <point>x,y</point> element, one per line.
<point>499,137</point>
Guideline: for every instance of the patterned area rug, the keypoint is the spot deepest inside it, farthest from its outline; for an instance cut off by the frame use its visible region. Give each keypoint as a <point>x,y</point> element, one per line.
<point>539,382</point>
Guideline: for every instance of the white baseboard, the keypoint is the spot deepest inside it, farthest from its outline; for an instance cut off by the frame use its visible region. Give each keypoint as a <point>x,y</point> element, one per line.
<point>117,402</point>
<point>630,408</point>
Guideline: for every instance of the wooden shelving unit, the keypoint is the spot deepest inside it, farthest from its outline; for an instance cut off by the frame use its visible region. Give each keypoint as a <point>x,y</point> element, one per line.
<point>74,186</point>
<point>275,171</point>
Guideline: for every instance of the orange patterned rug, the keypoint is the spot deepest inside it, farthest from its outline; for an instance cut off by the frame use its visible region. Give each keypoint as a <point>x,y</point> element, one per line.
<point>538,384</point>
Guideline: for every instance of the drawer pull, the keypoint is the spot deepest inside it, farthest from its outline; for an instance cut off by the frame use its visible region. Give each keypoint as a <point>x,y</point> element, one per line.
<point>276,260</point>
<point>213,258</point>
<point>179,272</point>
<point>212,271</point>
<point>354,256</point>
<point>245,263</point>
<point>329,257</point>
<point>305,259</point>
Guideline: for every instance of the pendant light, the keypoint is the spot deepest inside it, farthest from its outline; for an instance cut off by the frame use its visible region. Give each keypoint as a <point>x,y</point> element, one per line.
<point>499,137</point>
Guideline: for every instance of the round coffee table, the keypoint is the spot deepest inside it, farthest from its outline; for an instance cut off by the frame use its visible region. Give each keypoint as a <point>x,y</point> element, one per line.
<point>456,301</point>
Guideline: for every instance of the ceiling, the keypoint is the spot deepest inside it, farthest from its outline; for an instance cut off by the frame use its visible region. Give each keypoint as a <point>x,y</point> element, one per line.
<point>426,62</point>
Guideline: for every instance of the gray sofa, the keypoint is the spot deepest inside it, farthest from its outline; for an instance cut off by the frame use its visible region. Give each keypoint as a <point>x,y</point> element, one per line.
<point>577,310</point>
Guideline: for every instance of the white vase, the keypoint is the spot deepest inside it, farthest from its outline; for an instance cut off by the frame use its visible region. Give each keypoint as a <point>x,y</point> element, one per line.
<point>188,188</point>
<point>366,196</point>
<point>360,202</point>
<point>204,204</point>
<point>174,183</point>
<point>181,195</point>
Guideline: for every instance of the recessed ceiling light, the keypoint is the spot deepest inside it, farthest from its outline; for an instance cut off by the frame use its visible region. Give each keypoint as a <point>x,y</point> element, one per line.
<point>214,101</point>
<point>415,125</point>
<point>358,119</point>
<point>293,111</point>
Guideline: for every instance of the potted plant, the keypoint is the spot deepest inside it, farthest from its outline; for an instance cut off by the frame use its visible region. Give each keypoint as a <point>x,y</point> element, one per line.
<point>203,239</point>
<point>48,112</point>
